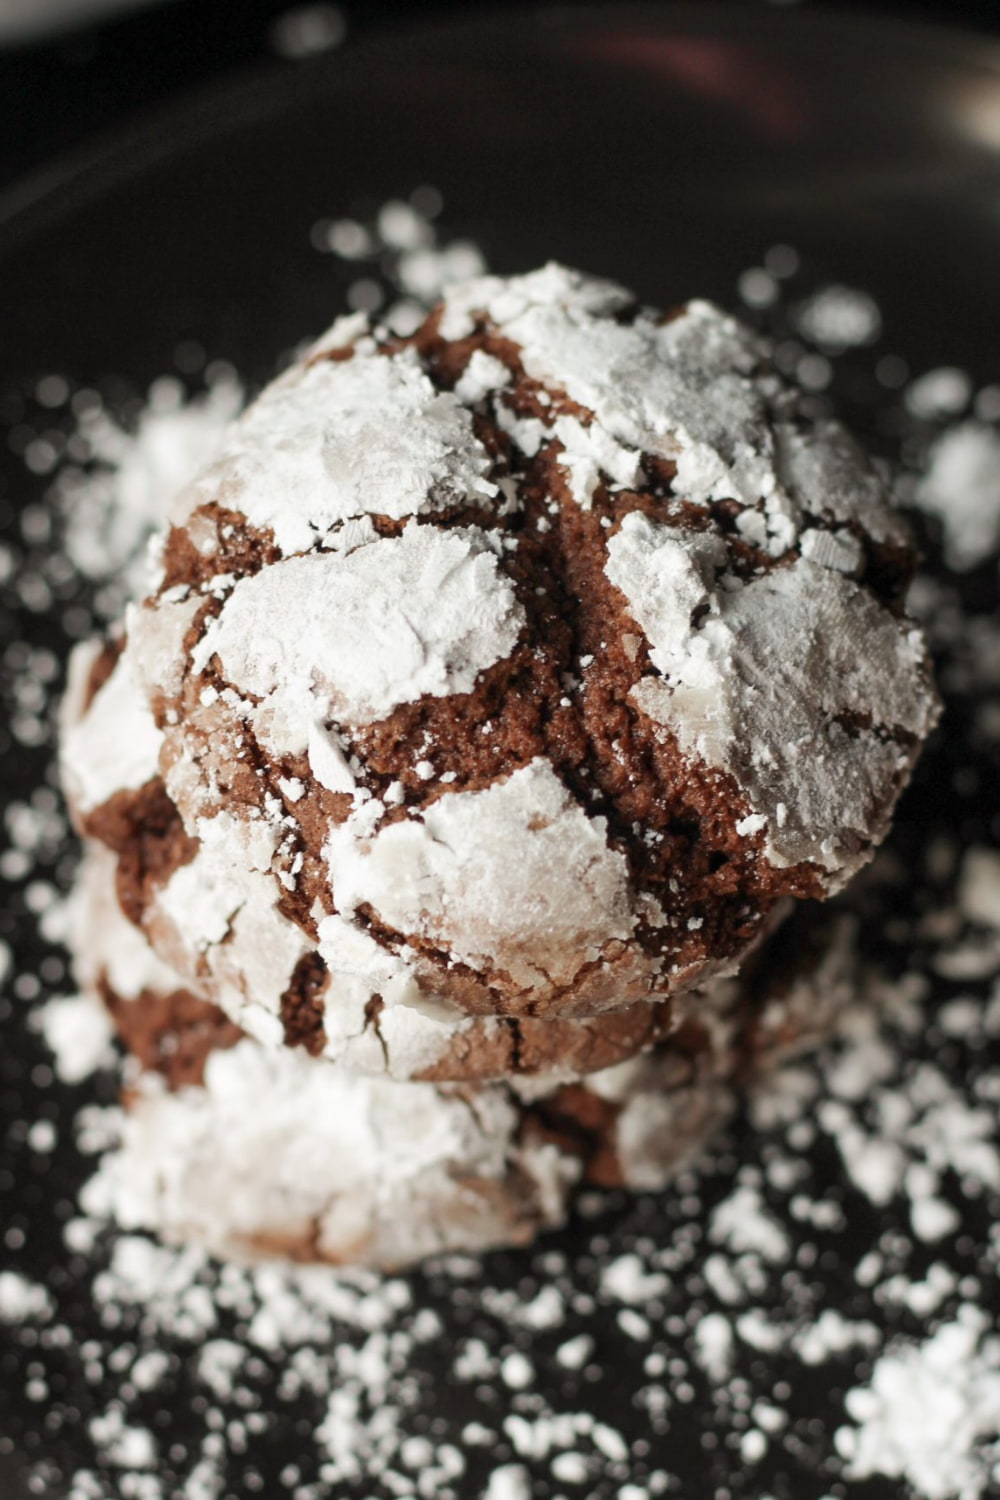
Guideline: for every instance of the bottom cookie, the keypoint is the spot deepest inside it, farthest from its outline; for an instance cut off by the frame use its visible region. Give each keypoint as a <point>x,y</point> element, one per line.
<point>276,1154</point>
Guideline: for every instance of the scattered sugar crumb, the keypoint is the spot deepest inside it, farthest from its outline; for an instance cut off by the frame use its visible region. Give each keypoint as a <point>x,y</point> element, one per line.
<point>961,488</point>
<point>713,1306</point>
<point>840,317</point>
<point>931,1413</point>
<point>21,1299</point>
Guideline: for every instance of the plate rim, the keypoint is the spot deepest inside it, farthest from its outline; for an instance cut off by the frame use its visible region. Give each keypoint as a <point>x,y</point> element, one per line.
<point>35,201</point>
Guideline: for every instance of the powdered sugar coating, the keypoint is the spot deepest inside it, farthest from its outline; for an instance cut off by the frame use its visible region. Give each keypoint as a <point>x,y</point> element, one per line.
<point>382,1024</point>
<point>311,454</point>
<point>676,390</point>
<point>370,656</point>
<point>516,876</point>
<point>105,945</point>
<point>115,746</point>
<point>363,631</point>
<point>349,1169</point>
<point>826,473</point>
<point>691,390</point>
<point>716,641</point>
<point>366,1172</point>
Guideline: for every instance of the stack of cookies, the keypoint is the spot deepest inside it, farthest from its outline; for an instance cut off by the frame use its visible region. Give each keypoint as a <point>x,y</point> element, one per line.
<point>499,690</point>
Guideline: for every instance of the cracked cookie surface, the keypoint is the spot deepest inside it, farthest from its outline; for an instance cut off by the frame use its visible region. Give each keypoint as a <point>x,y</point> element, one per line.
<point>509,673</point>
<point>259,1153</point>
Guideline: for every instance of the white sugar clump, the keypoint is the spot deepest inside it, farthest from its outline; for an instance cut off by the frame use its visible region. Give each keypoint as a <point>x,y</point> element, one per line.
<point>716,642</point>
<point>961,487</point>
<point>840,317</point>
<point>931,1413</point>
<point>115,745</point>
<point>21,1299</point>
<point>79,1034</point>
<point>189,1165</point>
<point>839,550</point>
<point>944,392</point>
<point>667,576</point>
<point>363,632</point>
<point>508,1482</point>
<point>517,875</point>
<point>311,452</point>
<point>113,506</point>
<point>979,887</point>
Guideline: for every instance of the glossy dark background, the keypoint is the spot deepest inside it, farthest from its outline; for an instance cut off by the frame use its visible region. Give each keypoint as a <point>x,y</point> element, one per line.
<point>58,93</point>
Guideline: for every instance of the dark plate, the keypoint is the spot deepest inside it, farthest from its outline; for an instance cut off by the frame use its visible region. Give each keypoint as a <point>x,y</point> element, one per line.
<point>668,146</point>
<point>664,145</point>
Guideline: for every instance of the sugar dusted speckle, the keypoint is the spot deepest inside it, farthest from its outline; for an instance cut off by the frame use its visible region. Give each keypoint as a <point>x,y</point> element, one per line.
<point>846,1247</point>
<point>840,317</point>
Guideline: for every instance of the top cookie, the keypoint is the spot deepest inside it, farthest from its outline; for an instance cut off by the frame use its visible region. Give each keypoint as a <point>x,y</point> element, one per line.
<point>519,667</point>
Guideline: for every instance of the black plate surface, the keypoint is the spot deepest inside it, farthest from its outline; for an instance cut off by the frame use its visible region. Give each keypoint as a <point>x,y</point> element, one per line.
<point>668,146</point>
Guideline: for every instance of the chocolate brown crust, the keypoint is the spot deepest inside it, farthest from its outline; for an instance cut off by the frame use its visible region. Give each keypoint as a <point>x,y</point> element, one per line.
<point>620,765</point>
<point>101,668</point>
<point>144,829</point>
<point>694,850</point>
<point>513,1048</point>
<point>302,1005</point>
<point>172,1034</point>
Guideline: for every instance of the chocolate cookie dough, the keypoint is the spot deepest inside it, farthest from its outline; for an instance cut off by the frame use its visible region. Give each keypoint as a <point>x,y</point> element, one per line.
<point>516,670</point>
<point>170,1027</point>
<point>257,1153</point>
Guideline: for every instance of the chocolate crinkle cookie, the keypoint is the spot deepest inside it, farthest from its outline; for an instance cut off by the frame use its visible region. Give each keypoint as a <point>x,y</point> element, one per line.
<point>498,687</point>
<point>256,1152</point>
